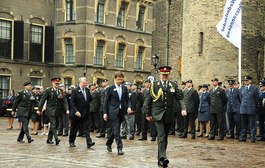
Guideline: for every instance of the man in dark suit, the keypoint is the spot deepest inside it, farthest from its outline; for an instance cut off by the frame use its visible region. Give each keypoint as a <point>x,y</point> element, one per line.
<point>53,95</point>
<point>160,109</point>
<point>115,107</point>
<point>24,104</point>
<point>233,108</point>
<point>217,105</point>
<point>191,101</point>
<point>249,96</point>
<point>80,102</point>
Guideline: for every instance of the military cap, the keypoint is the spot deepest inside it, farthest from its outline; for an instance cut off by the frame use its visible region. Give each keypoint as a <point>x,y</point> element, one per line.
<point>105,80</point>
<point>92,84</point>
<point>220,83</point>
<point>56,80</point>
<point>262,83</point>
<point>247,77</point>
<point>183,83</point>
<point>165,70</point>
<point>189,81</point>
<point>27,83</point>
<point>147,80</point>
<point>62,85</point>
<point>128,83</point>
<point>72,87</point>
<point>204,85</point>
<point>231,82</point>
<point>215,79</point>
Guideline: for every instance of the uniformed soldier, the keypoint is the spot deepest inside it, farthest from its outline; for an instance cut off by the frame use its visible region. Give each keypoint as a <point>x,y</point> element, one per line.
<point>24,104</point>
<point>52,95</point>
<point>217,104</point>
<point>249,96</point>
<point>191,101</point>
<point>233,108</point>
<point>160,110</point>
<point>261,110</point>
<point>94,108</point>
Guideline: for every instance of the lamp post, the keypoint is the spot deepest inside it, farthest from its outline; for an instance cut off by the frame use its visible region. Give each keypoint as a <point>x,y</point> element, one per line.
<point>154,60</point>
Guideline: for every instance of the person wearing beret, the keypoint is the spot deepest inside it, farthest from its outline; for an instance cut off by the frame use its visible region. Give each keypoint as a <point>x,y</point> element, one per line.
<point>217,105</point>
<point>24,105</point>
<point>159,108</point>
<point>103,124</point>
<point>53,95</point>
<point>94,108</point>
<point>191,101</point>
<point>204,114</point>
<point>233,109</point>
<point>249,96</point>
<point>261,110</point>
<point>115,107</point>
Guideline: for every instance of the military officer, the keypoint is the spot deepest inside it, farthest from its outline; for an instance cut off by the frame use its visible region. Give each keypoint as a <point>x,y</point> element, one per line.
<point>24,104</point>
<point>233,108</point>
<point>217,104</point>
<point>160,109</point>
<point>52,95</point>
<point>261,110</point>
<point>191,101</point>
<point>249,96</point>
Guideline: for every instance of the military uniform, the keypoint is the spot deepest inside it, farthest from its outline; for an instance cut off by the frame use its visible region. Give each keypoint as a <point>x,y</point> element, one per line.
<point>24,104</point>
<point>160,106</point>
<point>52,96</point>
<point>191,101</point>
<point>249,96</point>
<point>233,108</point>
<point>217,105</point>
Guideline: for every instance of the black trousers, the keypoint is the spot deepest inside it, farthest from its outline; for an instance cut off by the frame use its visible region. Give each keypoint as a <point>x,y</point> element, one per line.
<point>138,121</point>
<point>162,137</point>
<point>25,128</point>
<point>189,119</point>
<point>94,117</point>
<point>180,122</point>
<point>53,128</point>
<point>217,121</point>
<point>115,132</point>
<point>76,124</point>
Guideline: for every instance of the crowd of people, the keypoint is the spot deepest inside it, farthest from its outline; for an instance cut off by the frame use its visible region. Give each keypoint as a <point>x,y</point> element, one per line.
<point>122,111</point>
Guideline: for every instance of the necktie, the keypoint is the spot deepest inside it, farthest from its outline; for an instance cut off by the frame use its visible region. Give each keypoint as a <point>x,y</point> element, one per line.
<point>231,90</point>
<point>165,84</point>
<point>119,92</point>
<point>84,93</point>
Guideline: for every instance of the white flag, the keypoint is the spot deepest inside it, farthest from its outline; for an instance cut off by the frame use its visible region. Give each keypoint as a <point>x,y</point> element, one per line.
<point>230,25</point>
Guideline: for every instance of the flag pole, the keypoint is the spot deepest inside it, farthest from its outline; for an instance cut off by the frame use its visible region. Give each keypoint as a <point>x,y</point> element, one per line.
<point>239,66</point>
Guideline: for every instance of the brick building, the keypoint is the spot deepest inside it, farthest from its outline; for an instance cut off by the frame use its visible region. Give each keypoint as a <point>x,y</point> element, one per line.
<point>185,37</point>
<point>42,39</point>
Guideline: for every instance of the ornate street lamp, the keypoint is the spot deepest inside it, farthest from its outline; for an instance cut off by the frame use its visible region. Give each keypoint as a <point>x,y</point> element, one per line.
<point>154,60</point>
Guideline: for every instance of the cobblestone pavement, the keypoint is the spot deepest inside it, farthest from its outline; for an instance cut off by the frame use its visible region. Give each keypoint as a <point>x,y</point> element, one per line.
<point>181,153</point>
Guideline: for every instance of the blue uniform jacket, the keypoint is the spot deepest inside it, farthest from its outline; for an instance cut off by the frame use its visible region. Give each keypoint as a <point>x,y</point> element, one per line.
<point>233,101</point>
<point>249,100</point>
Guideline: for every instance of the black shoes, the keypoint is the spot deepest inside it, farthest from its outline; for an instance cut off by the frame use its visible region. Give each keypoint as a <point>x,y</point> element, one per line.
<point>171,133</point>
<point>192,136</point>
<point>211,138</point>
<point>153,139</point>
<point>242,140</point>
<point>183,136</point>
<point>30,140</point>
<point>124,137</point>
<point>57,141</point>
<point>109,148</point>
<point>49,142</point>
<point>120,152</point>
<point>200,135</point>
<point>142,139</point>
<point>72,145</point>
<point>163,162</point>
<point>131,138</point>
<point>91,144</point>
<point>101,136</point>
<point>21,141</point>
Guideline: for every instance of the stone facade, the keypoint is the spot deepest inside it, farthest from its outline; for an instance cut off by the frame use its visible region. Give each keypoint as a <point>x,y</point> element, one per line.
<point>84,32</point>
<point>204,52</point>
